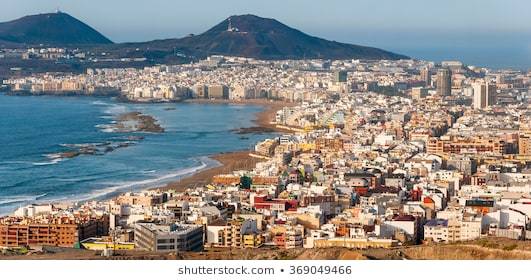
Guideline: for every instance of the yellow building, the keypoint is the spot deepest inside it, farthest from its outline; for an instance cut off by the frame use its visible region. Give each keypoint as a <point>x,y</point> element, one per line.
<point>253,240</point>
<point>360,243</point>
<point>524,145</point>
<point>240,233</point>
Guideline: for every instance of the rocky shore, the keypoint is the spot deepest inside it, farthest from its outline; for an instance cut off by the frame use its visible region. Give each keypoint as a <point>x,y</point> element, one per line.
<point>136,122</point>
<point>75,150</point>
<point>124,123</point>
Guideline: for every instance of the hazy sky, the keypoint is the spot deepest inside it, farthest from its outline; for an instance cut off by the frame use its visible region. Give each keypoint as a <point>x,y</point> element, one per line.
<point>427,28</point>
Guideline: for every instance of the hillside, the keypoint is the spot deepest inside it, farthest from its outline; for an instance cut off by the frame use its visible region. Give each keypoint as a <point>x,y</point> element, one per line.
<point>56,29</point>
<point>253,36</point>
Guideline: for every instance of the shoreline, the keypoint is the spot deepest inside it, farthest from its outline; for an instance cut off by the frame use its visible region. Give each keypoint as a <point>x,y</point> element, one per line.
<point>236,160</point>
<point>227,161</point>
<point>263,118</point>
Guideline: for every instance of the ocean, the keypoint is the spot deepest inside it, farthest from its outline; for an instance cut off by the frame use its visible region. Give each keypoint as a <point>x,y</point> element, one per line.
<point>34,129</point>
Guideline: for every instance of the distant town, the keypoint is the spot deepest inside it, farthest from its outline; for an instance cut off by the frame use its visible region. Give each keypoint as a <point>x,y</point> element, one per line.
<point>369,154</point>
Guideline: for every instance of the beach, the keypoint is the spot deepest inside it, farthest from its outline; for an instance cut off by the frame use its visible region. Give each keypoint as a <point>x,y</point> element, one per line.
<point>232,161</point>
<point>90,110</point>
<point>91,162</point>
<point>229,162</point>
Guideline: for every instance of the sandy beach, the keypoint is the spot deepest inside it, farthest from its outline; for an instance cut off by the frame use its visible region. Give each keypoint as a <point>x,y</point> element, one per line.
<point>229,162</point>
<point>232,161</point>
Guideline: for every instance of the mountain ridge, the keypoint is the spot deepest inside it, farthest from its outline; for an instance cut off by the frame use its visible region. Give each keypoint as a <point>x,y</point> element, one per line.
<point>51,29</point>
<point>265,38</point>
<point>238,35</point>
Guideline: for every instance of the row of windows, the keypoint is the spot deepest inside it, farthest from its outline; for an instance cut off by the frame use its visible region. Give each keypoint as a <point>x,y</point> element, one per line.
<point>166,247</point>
<point>166,240</point>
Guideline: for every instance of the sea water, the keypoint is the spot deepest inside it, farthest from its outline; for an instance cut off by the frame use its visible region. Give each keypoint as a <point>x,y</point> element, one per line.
<point>34,129</point>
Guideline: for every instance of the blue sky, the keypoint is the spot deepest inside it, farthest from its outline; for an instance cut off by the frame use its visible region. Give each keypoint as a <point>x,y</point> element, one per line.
<point>442,28</point>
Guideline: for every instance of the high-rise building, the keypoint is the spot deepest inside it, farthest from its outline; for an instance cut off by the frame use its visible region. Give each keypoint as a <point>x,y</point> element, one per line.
<point>524,139</point>
<point>484,95</point>
<point>444,82</point>
<point>425,76</point>
<point>340,76</point>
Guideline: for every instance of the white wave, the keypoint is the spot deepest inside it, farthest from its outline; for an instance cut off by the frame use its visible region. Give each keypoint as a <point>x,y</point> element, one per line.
<point>82,145</point>
<point>53,156</point>
<point>20,198</point>
<point>116,110</point>
<point>100,103</point>
<point>106,128</point>
<point>53,161</point>
<point>151,183</point>
<point>205,162</point>
<point>179,173</point>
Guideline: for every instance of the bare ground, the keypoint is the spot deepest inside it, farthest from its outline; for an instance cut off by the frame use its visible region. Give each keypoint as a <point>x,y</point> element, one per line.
<point>484,249</point>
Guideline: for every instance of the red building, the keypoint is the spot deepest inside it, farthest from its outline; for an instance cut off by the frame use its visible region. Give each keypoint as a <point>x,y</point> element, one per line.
<point>263,202</point>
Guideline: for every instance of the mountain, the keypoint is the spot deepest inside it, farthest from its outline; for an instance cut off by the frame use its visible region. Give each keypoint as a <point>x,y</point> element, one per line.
<point>50,29</point>
<point>263,38</point>
<point>243,35</point>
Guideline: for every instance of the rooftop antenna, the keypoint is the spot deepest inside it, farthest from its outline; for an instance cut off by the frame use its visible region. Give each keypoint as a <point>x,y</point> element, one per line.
<point>230,28</point>
<point>230,25</point>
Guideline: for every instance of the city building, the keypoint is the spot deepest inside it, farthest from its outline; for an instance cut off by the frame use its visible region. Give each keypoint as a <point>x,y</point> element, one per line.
<point>444,82</point>
<point>340,76</point>
<point>168,237</point>
<point>425,76</point>
<point>484,95</point>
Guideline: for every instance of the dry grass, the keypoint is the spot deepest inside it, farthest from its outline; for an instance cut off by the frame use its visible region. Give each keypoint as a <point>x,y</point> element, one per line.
<point>465,252</point>
<point>485,249</point>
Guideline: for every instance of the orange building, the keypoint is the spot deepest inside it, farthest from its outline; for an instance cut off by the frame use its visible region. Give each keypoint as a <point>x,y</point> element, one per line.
<point>60,232</point>
<point>453,145</point>
<point>334,144</point>
<point>17,235</point>
<point>226,180</point>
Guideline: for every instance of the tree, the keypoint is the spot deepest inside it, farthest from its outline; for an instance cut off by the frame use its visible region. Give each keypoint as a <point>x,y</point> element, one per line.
<point>246,182</point>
